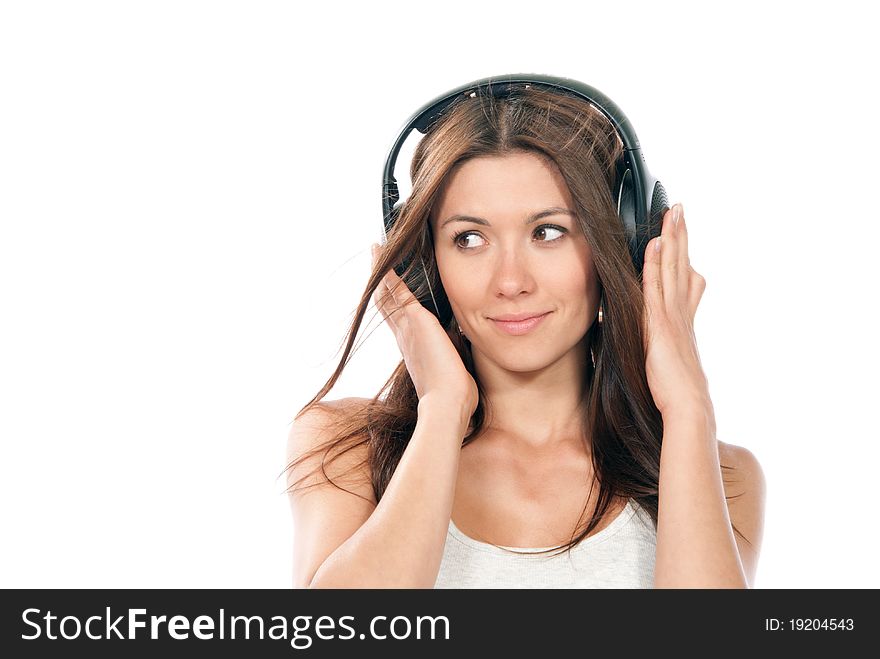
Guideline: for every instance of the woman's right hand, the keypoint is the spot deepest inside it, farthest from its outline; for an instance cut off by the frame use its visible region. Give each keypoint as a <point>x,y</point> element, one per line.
<point>433,362</point>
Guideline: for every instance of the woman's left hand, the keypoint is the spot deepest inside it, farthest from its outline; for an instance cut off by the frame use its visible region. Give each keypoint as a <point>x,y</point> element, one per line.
<point>672,291</point>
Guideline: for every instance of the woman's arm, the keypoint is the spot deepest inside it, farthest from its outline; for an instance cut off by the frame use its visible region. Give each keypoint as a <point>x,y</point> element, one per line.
<point>696,547</point>
<point>401,543</point>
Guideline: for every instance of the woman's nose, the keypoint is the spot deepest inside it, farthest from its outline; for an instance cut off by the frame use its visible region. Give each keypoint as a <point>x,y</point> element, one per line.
<point>513,273</point>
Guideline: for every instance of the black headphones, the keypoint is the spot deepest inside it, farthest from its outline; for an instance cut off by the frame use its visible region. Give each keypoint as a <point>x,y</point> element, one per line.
<point>640,198</point>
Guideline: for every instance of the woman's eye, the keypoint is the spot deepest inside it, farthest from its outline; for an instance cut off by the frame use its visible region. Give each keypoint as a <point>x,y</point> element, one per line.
<point>541,230</point>
<point>545,227</point>
<point>459,237</point>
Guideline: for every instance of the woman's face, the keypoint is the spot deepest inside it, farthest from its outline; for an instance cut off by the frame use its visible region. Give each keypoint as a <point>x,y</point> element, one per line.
<point>499,262</point>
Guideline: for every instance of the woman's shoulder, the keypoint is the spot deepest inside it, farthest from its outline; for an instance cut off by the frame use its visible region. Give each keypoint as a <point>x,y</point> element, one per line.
<point>745,489</point>
<point>743,476</point>
<point>326,413</point>
<point>315,430</point>
<point>740,459</point>
<point>351,404</point>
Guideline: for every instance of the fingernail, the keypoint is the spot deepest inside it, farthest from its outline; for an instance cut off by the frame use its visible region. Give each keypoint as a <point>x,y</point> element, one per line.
<point>676,213</point>
<point>657,244</point>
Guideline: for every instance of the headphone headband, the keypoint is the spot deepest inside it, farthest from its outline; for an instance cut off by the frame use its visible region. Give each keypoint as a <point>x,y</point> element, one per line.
<point>502,85</point>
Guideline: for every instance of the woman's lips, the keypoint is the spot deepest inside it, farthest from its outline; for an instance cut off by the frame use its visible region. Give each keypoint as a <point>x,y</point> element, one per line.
<point>517,327</point>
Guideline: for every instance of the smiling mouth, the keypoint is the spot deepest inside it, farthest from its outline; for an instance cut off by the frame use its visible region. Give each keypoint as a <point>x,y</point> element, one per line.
<point>519,327</point>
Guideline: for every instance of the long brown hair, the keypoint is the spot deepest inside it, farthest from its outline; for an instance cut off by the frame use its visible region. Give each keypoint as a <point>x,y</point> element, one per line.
<point>621,419</point>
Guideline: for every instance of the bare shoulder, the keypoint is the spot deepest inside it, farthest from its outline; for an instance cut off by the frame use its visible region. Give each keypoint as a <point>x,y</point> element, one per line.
<point>746,473</point>
<point>745,488</point>
<point>312,431</point>
<point>333,494</point>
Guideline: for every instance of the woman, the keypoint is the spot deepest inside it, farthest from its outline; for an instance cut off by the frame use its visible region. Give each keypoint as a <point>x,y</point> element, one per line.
<point>576,449</point>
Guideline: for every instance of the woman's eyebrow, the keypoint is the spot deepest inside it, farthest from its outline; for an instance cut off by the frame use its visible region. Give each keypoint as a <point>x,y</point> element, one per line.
<point>555,210</point>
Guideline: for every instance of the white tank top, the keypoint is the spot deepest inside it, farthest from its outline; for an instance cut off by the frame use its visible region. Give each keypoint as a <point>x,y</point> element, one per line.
<point>619,556</point>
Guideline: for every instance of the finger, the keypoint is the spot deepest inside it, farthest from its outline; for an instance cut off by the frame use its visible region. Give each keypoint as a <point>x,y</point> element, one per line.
<point>669,265</point>
<point>397,295</point>
<point>378,292</point>
<point>652,286</point>
<point>400,295</point>
<point>684,267</point>
<point>398,288</point>
<point>652,289</point>
<point>382,296</point>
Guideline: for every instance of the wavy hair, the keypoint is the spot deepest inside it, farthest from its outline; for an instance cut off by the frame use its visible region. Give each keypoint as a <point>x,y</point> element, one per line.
<point>620,416</point>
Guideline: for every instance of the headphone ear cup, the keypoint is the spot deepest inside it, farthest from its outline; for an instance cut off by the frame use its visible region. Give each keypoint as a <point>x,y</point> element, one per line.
<point>659,206</point>
<point>638,234</point>
<point>652,225</point>
<point>399,268</point>
<point>624,198</point>
<point>432,296</point>
<point>436,300</point>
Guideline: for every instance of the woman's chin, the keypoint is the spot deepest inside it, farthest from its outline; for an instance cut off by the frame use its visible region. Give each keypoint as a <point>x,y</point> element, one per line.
<point>522,363</point>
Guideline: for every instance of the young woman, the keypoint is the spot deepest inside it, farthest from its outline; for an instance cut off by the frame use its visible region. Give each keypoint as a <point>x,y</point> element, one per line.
<point>558,430</point>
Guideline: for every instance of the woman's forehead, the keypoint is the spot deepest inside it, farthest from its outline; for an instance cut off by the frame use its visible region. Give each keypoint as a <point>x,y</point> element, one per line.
<point>500,186</point>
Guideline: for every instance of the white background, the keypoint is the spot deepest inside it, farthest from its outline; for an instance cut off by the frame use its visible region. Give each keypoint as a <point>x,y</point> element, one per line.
<point>189,190</point>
